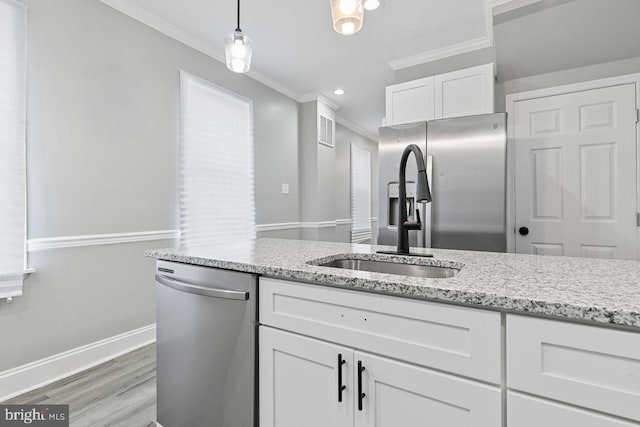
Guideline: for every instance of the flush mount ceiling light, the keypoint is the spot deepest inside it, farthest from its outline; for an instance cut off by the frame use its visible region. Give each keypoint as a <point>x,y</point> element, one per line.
<point>238,49</point>
<point>347,16</point>
<point>339,91</point>
<point>372,4</point>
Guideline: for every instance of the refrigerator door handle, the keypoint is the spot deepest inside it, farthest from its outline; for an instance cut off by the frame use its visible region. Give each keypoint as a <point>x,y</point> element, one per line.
<point>427,208</point>
<point>201,290</point>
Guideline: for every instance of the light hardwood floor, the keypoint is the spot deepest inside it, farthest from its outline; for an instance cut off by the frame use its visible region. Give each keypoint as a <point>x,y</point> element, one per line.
<point>120,392</point>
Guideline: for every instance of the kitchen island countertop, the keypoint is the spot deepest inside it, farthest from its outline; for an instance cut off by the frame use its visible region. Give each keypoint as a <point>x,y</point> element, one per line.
<point>592,290</point>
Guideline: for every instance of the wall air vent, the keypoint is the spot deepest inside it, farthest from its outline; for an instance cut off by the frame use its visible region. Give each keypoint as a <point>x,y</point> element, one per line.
<point>326,131</point>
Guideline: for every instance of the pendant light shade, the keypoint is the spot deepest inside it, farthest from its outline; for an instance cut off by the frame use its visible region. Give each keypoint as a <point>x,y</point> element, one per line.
<point>347,16</point>
<point>238,49</point>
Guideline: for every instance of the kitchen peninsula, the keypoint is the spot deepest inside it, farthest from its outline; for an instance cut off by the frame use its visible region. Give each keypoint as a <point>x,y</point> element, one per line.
<point>507,336</point>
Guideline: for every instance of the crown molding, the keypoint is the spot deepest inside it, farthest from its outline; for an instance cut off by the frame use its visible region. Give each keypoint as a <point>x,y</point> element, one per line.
<point>445,52</point>
<point>315,96</point>
<point>154,21</point>
<point>357,129</point>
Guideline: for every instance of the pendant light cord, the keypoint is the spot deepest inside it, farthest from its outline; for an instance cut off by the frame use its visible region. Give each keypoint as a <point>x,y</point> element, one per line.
<point>238,27</point>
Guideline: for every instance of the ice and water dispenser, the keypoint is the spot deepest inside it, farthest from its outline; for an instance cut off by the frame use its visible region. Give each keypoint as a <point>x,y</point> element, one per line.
<point>392,202</point>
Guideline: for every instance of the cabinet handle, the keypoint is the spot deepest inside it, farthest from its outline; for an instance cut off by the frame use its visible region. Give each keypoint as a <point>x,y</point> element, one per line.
<point>341,387</point>
<point>361,395</point>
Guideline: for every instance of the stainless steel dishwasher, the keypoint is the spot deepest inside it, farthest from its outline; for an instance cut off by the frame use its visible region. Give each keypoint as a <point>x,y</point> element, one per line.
<point>206,346</point>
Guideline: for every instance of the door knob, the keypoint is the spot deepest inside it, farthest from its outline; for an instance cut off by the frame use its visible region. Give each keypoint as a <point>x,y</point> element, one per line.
<point>523,231</point>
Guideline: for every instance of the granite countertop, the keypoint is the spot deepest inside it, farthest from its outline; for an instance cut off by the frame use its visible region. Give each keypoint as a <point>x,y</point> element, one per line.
<point>600,291</point>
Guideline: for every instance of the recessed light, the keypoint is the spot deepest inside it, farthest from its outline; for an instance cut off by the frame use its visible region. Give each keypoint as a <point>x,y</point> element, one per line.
<point>339,91</point>
<point>372,4</point>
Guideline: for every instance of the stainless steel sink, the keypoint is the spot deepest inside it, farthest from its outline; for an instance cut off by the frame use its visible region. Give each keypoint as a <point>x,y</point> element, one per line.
<point>424,271</point>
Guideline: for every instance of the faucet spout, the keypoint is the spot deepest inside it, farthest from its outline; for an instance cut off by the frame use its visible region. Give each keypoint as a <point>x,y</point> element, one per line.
<point>423,195</point>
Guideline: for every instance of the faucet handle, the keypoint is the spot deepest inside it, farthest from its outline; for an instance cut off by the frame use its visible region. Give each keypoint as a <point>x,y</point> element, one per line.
<point>413,225</point>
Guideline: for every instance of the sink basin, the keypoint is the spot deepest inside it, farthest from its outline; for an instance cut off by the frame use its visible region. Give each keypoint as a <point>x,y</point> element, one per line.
<point>424,271</point>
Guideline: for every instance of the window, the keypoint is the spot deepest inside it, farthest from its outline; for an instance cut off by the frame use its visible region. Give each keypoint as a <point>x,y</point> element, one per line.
<point>13,80</point>
<point>216,164</point>
<point>360,195</point>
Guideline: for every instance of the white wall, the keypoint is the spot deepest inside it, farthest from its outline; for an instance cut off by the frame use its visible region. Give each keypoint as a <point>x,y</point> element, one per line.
<point>326,177</point>
<point>102,158</point>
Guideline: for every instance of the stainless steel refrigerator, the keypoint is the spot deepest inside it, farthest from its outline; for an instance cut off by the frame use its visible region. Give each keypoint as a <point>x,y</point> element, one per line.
<point>466,166</point>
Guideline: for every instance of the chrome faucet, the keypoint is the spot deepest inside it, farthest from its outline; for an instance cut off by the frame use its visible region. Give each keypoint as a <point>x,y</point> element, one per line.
<point>423,195</point>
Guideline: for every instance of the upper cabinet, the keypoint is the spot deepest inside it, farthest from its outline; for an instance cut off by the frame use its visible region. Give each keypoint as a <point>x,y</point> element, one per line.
<point>411,101</point>
<point>459,93</point>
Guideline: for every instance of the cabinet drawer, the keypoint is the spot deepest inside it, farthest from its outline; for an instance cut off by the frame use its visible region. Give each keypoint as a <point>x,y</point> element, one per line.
<point>527,411</point>
<point>459,340</point>
<point>593,367</point>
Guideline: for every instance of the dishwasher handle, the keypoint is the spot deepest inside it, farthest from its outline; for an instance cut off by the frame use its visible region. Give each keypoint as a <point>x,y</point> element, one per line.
<point>201,290</point>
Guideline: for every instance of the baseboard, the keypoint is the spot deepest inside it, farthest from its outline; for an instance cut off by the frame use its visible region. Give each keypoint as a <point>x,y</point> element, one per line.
<point>25,378</point>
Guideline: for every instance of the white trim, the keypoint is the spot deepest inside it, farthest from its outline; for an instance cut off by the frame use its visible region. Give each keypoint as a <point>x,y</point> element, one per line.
<point>441,53</point>
<point>357,129</point>
<point>25,378</point>
<point>319,224</point>
<point>154,21</point>
<point>309,225</point>
<point>511,100</point>
<point>46,243</point>
<point>277,226</point>
<point>315,96</point>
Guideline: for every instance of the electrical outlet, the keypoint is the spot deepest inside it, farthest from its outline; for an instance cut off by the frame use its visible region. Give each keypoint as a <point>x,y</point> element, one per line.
<point>285,188</point>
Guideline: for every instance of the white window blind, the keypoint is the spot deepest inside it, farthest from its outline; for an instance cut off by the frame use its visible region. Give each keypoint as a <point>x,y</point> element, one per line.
<point>360,194</point>
<point>216,164</point>
<point>13,81</point>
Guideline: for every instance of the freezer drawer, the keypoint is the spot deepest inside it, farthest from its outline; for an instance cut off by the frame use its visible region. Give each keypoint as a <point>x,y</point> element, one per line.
<point>206,344</point>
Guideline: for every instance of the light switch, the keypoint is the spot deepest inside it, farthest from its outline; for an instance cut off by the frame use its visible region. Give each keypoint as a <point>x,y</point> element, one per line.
<point>285,188</point>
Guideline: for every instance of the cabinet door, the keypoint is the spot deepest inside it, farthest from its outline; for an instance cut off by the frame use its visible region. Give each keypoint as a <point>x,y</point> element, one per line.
<point>410,102</point>
<point>299,380</point>
<point>398,394</point>
<point>527,411</point>
<point>465,92</point>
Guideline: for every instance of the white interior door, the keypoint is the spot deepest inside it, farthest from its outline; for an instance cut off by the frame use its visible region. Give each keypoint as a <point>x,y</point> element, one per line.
<point>299,380</point>
<point>575,167</point>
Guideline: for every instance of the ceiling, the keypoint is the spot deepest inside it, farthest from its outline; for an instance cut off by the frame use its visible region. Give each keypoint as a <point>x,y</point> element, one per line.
<point>296,48</point>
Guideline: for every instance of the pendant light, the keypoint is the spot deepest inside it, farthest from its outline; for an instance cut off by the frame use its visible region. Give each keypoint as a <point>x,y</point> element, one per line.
<point>347,16</point>
<point>238,49</point>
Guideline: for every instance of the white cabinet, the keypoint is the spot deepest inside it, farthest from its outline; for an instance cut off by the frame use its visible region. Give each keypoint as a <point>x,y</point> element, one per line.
<point>435,364</point>
<point>587,366</point>
<point>465,92</point>
<point>304,383</point>
<point>299,379</point>
<point>410,102</point>
<point>398,394</point>
<point>458,340</point>
<point>527,411</point>
<point>305,328</point>
<point>459,93</point>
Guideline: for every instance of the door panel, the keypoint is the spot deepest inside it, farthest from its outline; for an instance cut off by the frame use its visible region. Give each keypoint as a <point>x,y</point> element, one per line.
<point>398,394</point>
<point>527,411</point>
<point>299,382</point>
<point>576,174</point>
<point>410,102</point>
